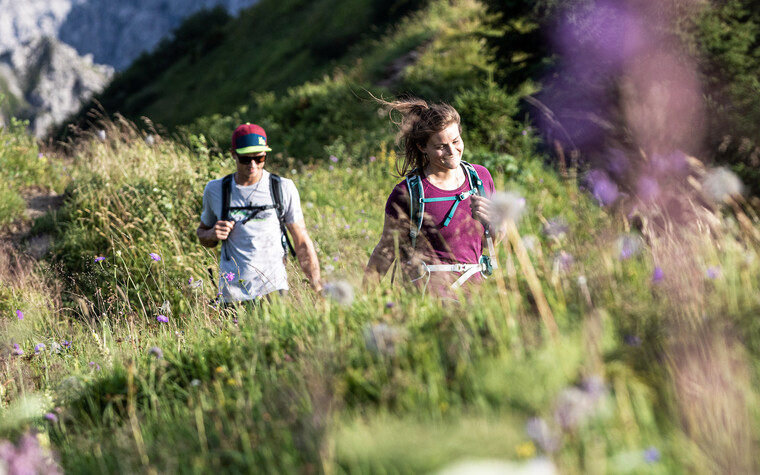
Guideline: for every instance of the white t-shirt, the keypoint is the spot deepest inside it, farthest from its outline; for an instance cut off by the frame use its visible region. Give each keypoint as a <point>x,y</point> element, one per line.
<point>252,258</point>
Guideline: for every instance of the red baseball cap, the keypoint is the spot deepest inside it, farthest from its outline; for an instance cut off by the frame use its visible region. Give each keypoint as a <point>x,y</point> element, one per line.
<point>249,138</point>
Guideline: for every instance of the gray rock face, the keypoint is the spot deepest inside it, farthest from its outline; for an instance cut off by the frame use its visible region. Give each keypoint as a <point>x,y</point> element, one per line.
<point>50,49</point>
<point>50,81</point>
<point>117,32</point>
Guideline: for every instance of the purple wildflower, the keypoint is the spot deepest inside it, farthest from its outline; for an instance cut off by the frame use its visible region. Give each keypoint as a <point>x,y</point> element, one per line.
<point>390,305</point>
<point>333,159</point>
<point>156,351</point>
<point>632,340</point>
<point>51,417</point>
<point>651,455</point>
<point>39,347</point>
<point>331,168</point>
<point>66,344</point>
<point>524,132</point>
<point>17,350</point>
<point>94,365</point>
<point>155,256</point>
<point>657,275</point>
<point>335,259</point>
<point>190,281</point>
<point>348,226</point>
<point>162,319</point>
<point>713,272</point>
<point>602,188</point>
<point>372,158</point>
<point>99,258</point>
<point>230,276</point>
<point>20,314</point>
<point>540,432</point>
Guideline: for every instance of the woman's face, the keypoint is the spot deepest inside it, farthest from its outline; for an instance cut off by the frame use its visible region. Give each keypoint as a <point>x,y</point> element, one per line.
<point>444,149</point>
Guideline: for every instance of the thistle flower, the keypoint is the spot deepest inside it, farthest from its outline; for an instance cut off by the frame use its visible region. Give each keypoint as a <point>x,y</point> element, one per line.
<point>156,351</point>
<point>20,314</point>
<point>341,292</point>
<point>721,183</point>
<point>155,256</point>
<point>230,276</point>
<point>162,319</point>
<point>506,207</point>
<point>382,339</point>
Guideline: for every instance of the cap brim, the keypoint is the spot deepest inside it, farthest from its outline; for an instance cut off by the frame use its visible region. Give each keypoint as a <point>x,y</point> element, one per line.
<point>253,149</point>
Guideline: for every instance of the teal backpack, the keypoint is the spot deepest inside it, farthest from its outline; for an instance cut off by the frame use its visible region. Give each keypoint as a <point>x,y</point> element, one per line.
<point>417,202</point>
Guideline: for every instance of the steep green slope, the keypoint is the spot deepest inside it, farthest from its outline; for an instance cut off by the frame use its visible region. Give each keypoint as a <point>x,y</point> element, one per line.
<point>214,63</point>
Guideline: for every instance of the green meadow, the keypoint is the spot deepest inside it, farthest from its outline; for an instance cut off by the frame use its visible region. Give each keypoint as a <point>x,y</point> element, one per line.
<point>609,339</point>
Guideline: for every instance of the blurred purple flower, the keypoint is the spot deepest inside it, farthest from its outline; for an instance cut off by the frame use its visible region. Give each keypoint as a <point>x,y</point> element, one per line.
<point>51,417</point>
<point>347,226</point>
<point>99,258</point>
<point>524,132</point>
<point>230,276</point>
<point>155,256</point>
<point>651,455</point>
<point>556,228</point>
<point>156,351</point>
<point>39,347</point>
<point>657,275</point>
<point>629,245</point>
<point>372,158</point>
<point>563,261</point>
<point>618,164</point>
<point>94,365</point>
<point>27,457</point>
<point>335,259</point>
<point>539,431</point>
<point>333,159</point>
<point>17,350</point>
<point>331,168</point>
<point>190,281</point>
<point>647,188</point>
<point>66,344</point>
<point>162,319</point>
<point>390,305</point>
<point>20,314</point>
<point>604,190</point>
<point>632,340</point>
<point>713,272</point>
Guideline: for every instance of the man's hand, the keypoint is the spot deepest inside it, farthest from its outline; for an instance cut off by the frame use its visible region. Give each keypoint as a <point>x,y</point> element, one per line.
<point>222,229</point>
<point>209,237</point>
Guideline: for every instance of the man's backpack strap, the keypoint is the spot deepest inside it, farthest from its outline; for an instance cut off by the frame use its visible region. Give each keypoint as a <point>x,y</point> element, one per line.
<point>226,190</point>
<point>275,188</point>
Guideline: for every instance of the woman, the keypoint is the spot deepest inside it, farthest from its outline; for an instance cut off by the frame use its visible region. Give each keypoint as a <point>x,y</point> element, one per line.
<point>443,249</point>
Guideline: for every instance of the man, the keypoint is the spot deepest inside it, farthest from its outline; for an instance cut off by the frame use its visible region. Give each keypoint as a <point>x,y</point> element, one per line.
<point>252,261</point>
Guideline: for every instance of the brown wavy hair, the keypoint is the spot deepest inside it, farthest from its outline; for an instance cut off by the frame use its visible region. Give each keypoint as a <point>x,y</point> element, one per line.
<point>419,120</point>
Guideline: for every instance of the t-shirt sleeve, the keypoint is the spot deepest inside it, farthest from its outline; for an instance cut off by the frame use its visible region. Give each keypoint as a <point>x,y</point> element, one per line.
<point>487,179</point>
<point>291,201</point>
<point>208,215</point>
<point>397,206</point>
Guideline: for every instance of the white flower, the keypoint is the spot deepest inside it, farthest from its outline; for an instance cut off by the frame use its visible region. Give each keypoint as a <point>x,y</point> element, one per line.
<point>341,291</point>
<point>102,135</point>
<point>721,183</point>
<point>506,206</point>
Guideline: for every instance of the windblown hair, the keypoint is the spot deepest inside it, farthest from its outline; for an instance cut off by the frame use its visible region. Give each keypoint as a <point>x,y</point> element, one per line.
<point>419,120</point>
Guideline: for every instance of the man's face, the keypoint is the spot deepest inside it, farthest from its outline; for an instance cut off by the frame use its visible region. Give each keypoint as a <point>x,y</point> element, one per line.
<point>251,163</point>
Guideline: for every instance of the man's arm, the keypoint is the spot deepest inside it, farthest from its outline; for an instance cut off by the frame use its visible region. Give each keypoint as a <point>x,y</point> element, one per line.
<point>210,236</point>
<point>305,252</point>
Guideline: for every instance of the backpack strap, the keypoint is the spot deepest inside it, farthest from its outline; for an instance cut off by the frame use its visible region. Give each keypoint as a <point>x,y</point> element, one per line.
<point>416,205</point>
<point>226,190</point>
<point>275,189</point>
<point>476,183</point>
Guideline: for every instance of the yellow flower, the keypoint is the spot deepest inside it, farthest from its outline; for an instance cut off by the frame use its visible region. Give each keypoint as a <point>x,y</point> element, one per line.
<point>526,450</point>
<point>232,382</point>
<point>220,369</point>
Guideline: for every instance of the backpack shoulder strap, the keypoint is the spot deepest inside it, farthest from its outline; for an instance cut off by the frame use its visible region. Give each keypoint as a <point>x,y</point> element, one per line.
<point>416,205</point>
<point>472,176</point>
<point>275,189</point>
<point>226,191</point>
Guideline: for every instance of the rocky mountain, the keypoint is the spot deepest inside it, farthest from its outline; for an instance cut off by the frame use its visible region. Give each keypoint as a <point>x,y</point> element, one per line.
<point>55,54</point>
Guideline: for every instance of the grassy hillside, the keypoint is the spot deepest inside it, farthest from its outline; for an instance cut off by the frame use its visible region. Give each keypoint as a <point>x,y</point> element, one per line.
<point>612,339</point>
